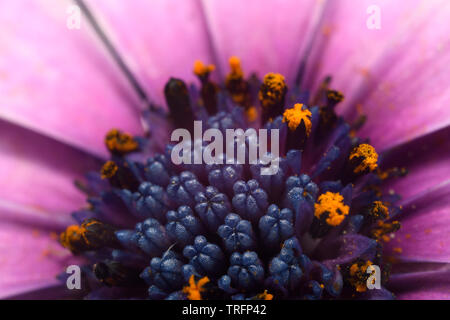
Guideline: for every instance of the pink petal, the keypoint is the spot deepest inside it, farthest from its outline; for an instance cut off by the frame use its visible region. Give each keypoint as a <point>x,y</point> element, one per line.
<point>30,259</point>
<point>429,285</point>
<point>159,39</point>
<point>37,176</point>
<point>57,81</point>
<point>268,36</point>
<point>398,75</point>
<point>425,228</point>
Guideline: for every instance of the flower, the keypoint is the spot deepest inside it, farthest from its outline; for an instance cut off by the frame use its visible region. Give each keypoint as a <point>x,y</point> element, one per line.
<point>154,229</point>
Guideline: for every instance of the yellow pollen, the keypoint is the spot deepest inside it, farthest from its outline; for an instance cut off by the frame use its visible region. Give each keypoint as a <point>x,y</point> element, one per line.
<point>194,289</point>
<point>296,115</point>
<point>369,155</point>
<point>201,69</point>
<point>331,203</point>
<point>120,143</point>
<point>109,170</point>
<point>265,296</point>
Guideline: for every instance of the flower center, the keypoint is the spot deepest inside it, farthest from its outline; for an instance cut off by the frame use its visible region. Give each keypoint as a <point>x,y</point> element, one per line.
<point>224,230</point>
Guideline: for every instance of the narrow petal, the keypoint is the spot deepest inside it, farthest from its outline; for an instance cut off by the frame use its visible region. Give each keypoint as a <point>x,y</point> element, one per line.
<point>30,259</point>
<point>385,73</point>
<point>268,36</point>
<point>37,176</point>
<point>429,285</point>
<point>159,39</point>
<point>60,81</point>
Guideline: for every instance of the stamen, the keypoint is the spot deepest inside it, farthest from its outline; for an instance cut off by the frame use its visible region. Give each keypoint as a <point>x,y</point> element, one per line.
<point>91,235</point>
<point>334,97</point>
<point>235,66</point>
<point>364,157</point>
<point>120,175</point>
<point>194,289</point>
<point>120,143</point>
<point>332,205</point>
<point>178,101</point>
<point>109,170</point>
<point>296,115</point>
<point>114,274</point>
<point>202,70</point>
<point>358,276</point>
<point>252,114</point>
<point>264,296</point>
<point>209,89</point>
<point>383,228</point>
<point>379,211</point>
<point>272,94</point>
<point>236,85</point>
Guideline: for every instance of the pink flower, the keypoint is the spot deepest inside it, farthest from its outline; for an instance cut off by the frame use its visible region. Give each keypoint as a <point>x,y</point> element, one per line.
<point>61,90</point>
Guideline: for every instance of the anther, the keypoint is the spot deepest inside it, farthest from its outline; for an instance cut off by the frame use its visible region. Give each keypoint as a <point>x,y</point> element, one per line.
<point>271,95</point>
<point>119,175</point>
<point>332,206</point>
<point>357,275</point>
<point>178,101</point>
<point>297,115</point>
<point>120,143</point>
<point>109,170</point>
<point>363,159</point>
<point>379,211</point>
<point>382,229</point>
<point>114,274</point>
<point>264,296</point>
<point>209,89</point>
<point>329,211</point>
<point>334,97</point>
<point>194,289</point>
<point>92,234</point>
<point>236,85</point>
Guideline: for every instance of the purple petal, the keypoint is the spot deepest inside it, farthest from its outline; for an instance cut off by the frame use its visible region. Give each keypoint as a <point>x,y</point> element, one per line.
<point>159,39</point>
<point>58,81</point>
<point>268,36</point>
<point>425,228</point>
<point>37,176</point>
<point>30,259</point>
<point>427,161</point>
<point>430,285</point>
<point>387,71</point>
